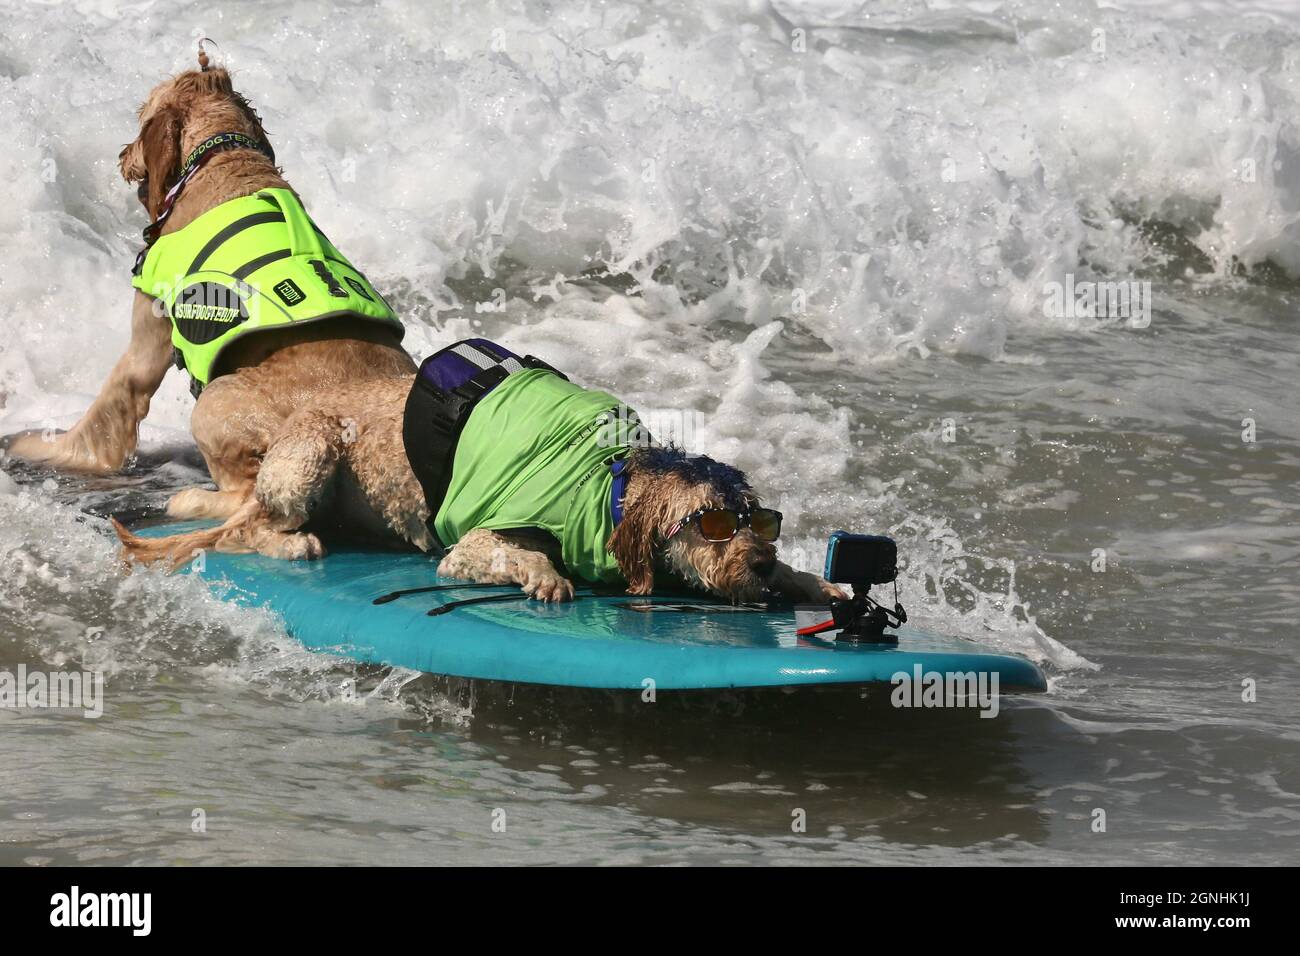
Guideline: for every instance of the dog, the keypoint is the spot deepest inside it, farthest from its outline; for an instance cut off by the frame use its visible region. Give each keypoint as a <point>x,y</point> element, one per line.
<point>259,380</point>
<point>302,423</point>
<point>544,475</point>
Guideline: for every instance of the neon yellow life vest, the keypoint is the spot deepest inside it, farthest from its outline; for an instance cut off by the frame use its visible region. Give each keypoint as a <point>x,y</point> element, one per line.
<point>250,264</point>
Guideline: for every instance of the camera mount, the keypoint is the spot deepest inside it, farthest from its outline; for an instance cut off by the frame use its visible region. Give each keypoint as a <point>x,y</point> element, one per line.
<point>860,561</point>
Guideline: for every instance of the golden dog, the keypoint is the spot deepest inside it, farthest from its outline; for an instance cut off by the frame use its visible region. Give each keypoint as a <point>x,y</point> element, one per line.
<point>263,378</point>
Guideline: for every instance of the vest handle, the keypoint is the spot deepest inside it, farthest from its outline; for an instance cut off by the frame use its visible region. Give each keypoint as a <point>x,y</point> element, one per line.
<point>304,240</point>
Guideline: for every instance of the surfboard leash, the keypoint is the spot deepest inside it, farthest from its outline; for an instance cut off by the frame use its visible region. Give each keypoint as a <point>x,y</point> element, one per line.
<point>483,599</point>
<point>394,595</point>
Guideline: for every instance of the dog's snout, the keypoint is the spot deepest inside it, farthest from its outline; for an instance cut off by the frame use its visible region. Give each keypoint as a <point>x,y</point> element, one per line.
<point>763,564</point>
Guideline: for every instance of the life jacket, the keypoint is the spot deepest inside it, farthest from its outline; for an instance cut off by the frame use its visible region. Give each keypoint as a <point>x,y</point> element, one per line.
<point>509,443</point>
<point>250,264</point>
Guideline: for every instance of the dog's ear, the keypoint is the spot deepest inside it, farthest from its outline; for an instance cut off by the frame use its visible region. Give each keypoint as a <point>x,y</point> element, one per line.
<point>632,545</point>
<point>130,162</point>
<point>161,137</point>
<point>154,157</point>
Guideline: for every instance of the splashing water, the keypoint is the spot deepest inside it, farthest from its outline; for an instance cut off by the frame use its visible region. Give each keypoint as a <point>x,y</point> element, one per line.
<point>817,237</point>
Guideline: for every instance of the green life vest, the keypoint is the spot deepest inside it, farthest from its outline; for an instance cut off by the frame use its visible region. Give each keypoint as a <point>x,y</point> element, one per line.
<point>535,453</point>
<point>250,264</point>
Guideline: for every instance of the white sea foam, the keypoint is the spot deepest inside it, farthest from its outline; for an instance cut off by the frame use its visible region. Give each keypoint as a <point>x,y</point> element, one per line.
<point>917,189</point>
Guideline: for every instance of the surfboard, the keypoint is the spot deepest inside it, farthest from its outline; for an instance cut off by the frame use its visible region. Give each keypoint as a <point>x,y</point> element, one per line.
<point>343,604</point>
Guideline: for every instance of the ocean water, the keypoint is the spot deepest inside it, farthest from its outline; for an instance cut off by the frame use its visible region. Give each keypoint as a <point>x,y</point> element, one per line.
<point>820,240</point>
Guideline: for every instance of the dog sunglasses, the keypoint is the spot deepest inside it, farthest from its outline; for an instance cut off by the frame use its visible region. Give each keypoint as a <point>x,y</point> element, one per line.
<point>723,524</point>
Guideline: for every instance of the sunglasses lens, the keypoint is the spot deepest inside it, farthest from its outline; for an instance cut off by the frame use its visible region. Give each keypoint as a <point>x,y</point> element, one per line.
<point>765,523</point>
<point>719,525</point>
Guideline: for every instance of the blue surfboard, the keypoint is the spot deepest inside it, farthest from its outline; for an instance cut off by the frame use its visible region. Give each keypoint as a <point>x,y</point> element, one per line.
<point>603,639</point>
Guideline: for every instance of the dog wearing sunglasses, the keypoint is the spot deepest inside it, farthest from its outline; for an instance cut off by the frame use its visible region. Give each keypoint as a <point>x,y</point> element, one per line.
<point>686,519</point>
<point>343,465</point>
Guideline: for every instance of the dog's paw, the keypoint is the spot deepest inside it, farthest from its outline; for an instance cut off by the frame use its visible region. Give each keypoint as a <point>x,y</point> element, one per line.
<point>28,445</point>
<point>54,450</point>
<point>830,592</point>
<point>806,587</point>
<point>456,565</point>
<point>293,547</point>
<point>548,585</point>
